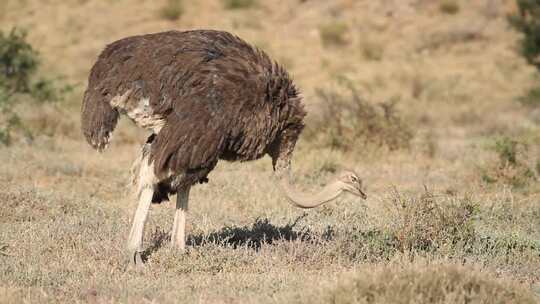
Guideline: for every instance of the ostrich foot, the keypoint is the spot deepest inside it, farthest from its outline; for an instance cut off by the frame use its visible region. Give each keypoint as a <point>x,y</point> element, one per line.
<point>134,259</point>
<point>178,246</point>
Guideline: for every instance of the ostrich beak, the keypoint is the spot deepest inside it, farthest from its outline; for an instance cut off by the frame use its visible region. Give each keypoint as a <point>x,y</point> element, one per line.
<point>362,194</point>
<point>359,190</point>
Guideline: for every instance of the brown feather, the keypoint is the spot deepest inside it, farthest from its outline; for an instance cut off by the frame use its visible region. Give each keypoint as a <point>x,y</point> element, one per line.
<point>218,97</point>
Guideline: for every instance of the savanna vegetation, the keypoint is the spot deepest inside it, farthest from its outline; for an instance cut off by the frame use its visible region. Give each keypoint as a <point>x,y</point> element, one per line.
<point>433,103</point>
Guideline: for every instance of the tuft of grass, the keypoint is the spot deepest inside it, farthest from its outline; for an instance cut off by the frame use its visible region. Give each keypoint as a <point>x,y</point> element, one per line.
<point>422,282</point>
<point>172,10</point>
<point>334,34</point>
<point>347,121</point>
<point>239,4</point>
<point>450,7</point>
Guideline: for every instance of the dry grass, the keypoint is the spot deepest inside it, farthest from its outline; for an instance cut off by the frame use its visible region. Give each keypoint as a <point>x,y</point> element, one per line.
<point>65,211</point>
<point>425,282</point>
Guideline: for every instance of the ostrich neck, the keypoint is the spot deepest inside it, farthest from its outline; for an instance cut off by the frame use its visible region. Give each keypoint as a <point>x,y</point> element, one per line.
<point>304,200</point>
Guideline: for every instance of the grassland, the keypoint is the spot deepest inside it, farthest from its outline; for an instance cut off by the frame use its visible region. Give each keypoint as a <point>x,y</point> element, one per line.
<point>449,218</point>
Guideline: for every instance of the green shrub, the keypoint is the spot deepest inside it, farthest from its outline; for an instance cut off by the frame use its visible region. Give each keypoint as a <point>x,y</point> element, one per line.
<point>334,34</point>
<point>528,22</point>
<point>172,10</point>
<point>239,4</point>
<point>347,121</point>
<point>19,63</point>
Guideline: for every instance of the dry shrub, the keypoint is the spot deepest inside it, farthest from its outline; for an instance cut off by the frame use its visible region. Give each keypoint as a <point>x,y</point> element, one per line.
<point>512,167</point>
<point>450,7</point>
<point>334,34</point>
<point>172,10</point>
<point>348,121</point>
<point>372,50</point>
<point>431,223</point>
<point>421,282</point>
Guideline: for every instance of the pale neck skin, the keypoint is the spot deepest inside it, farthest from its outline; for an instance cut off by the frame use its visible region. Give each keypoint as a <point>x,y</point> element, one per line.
<point>304,200</point>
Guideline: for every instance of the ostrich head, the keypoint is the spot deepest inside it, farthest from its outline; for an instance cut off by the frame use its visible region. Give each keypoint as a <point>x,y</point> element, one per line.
<point>348,181</point>
<point>351,183</point>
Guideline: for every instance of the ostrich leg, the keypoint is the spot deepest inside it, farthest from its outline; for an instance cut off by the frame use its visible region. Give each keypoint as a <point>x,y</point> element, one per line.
<point>178,234</point>
<point>134,245</point>
<point>145,190</point>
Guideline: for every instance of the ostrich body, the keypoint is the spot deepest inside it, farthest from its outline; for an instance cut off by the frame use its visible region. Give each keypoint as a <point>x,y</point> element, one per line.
<point>205,96</point>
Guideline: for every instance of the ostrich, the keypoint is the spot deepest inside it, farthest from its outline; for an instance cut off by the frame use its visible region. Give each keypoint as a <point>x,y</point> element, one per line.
<point>204,95</point>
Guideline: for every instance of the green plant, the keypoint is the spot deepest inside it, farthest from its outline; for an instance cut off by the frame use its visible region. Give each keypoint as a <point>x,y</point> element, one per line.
<point>450,7</point>
<point>18,65</point>
<point>18,62</point>
<point>528,22</point>
<point>172,10</point>
<point>239,4</point>
<point>334,34</point>
<point>347,121</point>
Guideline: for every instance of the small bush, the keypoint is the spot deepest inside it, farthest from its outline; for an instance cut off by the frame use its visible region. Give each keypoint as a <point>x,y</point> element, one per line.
<point>239,4</point>
<point>18,65</point>
<point>528,22</point>
<point>512,168</point>
<point>422,282</point>
<point>334,34</point>
<point>450,7</point>
<point>172,10</point>
<point>18,62</point>
<point>347,121</point>
<point>430,223</point>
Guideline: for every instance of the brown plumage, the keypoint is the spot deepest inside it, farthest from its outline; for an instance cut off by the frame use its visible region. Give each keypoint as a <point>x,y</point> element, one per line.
<point>216,97</point>
<point>205,95</point>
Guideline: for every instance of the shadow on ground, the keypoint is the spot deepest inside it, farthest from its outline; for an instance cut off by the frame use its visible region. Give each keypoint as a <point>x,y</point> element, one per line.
<point>262,231</point>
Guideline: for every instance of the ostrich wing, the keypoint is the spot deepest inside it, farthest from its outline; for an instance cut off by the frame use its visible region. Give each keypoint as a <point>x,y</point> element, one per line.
<point>189,142</point>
